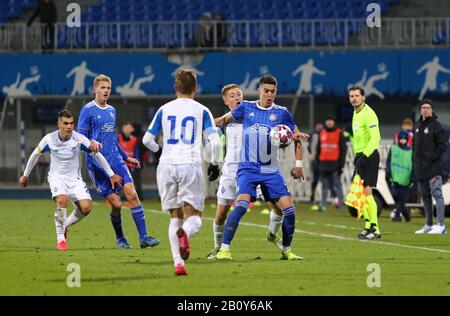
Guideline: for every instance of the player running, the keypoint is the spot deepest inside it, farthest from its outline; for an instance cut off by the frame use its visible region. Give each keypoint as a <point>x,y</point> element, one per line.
<point>64,177</point>
<point>179,173</point>
<point>259,164</point>
<point>366,140</point>
<point>97,122</point>
<point>226,193</point>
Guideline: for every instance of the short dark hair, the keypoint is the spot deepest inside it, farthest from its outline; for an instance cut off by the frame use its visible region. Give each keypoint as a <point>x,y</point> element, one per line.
<point>64,113</point>
<point>353,88</point>
<point>268,79</point>
<point>185,81</point>
<point>425,101</point>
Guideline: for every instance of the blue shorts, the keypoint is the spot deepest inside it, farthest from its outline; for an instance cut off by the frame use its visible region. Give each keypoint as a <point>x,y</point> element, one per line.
<point>273,185</point>
<point>101,180</point>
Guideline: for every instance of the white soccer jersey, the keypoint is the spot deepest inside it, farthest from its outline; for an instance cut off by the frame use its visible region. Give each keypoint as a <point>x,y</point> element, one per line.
<point>182,122</point>
<point>233,133</point>
<point>64,155</point>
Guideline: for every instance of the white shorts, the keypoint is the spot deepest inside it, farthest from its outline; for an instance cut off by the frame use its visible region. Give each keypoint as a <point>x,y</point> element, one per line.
<point>226,193</point>
<point>180,183</point>
<point>75,188</point>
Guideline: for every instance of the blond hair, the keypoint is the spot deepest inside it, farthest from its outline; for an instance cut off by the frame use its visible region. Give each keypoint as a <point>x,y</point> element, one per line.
<point>101,78</point>
<point>228,87</point>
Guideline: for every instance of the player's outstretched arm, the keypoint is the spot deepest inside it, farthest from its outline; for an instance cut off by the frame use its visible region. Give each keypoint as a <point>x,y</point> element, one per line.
<point>30,165</point>
<point>223,120</point>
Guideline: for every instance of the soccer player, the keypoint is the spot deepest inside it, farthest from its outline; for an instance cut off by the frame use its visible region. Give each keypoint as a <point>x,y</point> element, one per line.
<point>97,122</point>
<point>259,164</point>
<point>226,193</point>
<point>366,140</point>
<point>179,173</point>
<point>64,176</point>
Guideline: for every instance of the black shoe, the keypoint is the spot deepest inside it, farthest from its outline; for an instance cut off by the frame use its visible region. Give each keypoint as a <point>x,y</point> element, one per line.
<point>407,214</point>
<point>364,233</point>
<point>372,235</point>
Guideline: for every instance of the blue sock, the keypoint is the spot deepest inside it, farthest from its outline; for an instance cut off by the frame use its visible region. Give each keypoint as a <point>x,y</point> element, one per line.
<point>288,227</point>
<point>117,224</point>
<point>233,221</point>
<point>139,219</point>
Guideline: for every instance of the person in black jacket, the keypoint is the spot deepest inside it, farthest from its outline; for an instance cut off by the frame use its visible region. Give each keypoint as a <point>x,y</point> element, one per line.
<point>330,156</point>
<point>46,9</point>
<point>429,144</point>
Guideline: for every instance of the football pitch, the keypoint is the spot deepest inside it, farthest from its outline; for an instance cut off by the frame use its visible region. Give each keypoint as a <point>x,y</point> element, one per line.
<point>336,263</point>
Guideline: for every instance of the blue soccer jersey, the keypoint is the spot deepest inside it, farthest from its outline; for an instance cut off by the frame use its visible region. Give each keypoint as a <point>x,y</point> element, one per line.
<point>257,153</point>
<point>99,123</point>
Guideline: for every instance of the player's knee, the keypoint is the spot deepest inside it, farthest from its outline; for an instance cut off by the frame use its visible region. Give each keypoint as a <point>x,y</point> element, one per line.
<point>62,202</point>
<point>132,195</point>
<point>86,209</point>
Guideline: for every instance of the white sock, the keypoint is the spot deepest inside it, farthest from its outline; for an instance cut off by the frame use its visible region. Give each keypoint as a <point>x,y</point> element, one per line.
<point>275,222</point>
<point>285,249</point>
<point>175,223</point>
<point>192,225</point>
<point>218,233</point>
<point>60,219</point>
<point>225,247</point>
<point>74,217</point>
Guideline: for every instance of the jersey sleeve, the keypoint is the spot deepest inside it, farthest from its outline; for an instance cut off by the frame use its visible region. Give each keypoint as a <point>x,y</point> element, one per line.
<point>156,124</point>
<point>289,121</point>
<point>238,112</point>
<point>374,132</point>
<point>208,122</point>
<point>84,123</point>
<point>43,145</point>
<point>84,143</point>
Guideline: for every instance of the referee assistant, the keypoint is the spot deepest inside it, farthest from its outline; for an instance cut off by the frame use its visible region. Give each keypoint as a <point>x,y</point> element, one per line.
<point>366,133</point>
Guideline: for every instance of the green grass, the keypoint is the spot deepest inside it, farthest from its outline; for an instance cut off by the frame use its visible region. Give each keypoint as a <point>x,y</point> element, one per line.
<point>335,262</point>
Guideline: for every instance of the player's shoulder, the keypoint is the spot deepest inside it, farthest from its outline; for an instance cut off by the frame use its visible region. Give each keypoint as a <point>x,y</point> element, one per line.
<point>368,111</point>
<point>52,136</point>
<point>110,107</point>
<point>89,105</point>
<point>280,107</point>
<point>79,137</point>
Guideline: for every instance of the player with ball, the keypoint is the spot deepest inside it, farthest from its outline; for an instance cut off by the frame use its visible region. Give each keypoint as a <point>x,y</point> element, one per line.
<point>266,126</point>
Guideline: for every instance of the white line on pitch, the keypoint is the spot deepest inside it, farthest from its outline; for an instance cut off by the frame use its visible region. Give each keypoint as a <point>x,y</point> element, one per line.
<point>376,242</point>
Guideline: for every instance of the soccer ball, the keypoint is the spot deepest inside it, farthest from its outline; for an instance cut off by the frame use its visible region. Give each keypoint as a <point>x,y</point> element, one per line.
<point>281,136</point>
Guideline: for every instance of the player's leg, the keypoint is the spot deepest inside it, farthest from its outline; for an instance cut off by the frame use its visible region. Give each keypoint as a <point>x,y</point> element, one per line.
<point>168,191</point>
<point>60,195</point>
<point>81,210</point>
<point>275,223</point>
<point>326,184</point>
<point>425,191</point>
<point>223,207</point>
<point>82,200</point>
<point>116,220</point>
<point>176,222</point>
<point>226,195</point>
<point>190,193</point>
<point>137,211</point>
<point>103,187</point>
<point>370,178</point>
<point>277,190</point>
<point>62,202</point>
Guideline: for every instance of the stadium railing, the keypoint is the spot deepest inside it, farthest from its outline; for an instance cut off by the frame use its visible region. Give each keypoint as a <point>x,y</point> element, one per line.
<point>230,35</point>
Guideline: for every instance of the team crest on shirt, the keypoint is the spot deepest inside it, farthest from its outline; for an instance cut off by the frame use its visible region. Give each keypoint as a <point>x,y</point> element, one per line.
<point>355,127</point>
<point>223,190</point>
<point>272,117</point>
<point>425,130</point>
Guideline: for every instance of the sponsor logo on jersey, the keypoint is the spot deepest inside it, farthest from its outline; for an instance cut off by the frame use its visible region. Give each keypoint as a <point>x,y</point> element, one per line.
<point>108,128</point>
